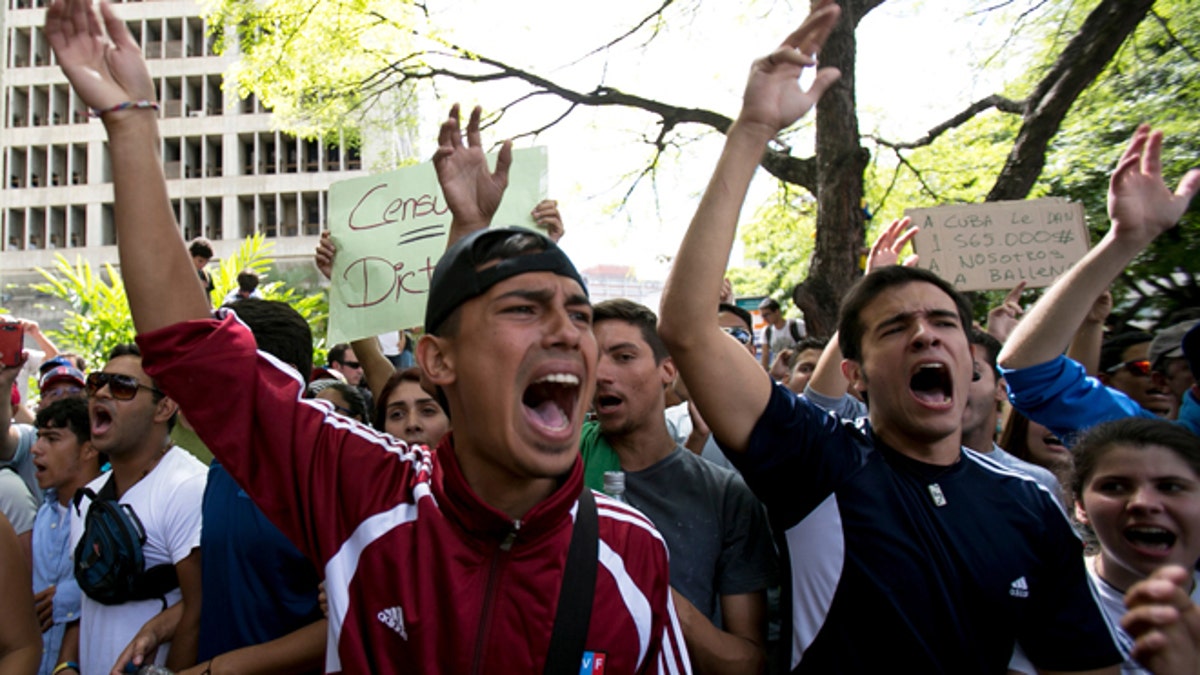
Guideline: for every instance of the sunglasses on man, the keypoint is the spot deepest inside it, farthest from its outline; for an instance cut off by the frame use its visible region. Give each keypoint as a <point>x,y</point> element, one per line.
<point>121,387</point>
<point>1139,367</point>
<point>740,334</point>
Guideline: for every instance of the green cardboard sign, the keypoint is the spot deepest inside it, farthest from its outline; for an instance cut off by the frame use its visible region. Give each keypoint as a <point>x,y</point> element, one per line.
<point>390,230</point>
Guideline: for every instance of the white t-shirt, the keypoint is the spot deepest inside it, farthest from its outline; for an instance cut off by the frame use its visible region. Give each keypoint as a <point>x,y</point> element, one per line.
<point>1113,603</point>
<point>167,502</point>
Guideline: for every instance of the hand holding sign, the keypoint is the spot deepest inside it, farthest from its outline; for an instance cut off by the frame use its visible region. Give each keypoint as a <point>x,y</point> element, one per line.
<point>390,229</point>
<point>546,215</point>
<point>472,192</point>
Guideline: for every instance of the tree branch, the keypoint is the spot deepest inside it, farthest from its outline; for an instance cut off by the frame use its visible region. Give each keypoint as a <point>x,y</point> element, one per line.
<point>777,161</point>
<point>656,15</point>
<point>1171,34</point>
<point>1085,57</point>
<point>994,101</point>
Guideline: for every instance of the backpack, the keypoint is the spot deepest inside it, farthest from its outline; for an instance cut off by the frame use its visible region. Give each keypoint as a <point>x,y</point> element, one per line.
<point>793,326</point>
<point>109,565</point>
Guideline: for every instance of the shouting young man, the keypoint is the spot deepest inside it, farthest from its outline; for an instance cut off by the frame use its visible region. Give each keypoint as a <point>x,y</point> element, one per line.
<point>449,559</point>
<point>905,551</point>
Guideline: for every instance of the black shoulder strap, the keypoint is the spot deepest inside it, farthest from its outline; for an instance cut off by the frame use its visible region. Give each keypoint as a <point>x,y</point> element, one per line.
<point>109,491</point>
<point>795,326</point>
<point>574,610</point>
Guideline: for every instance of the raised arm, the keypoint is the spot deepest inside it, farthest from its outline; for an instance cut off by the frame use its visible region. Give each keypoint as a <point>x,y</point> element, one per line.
<point>472,192</point>
<point>1089,339</point>
<point>1141,207</point>
<point>105,67</point>
<point>376,367</point>
<point>10,438</point>
<point>34,331</point>
<point>1003,318</point>
<point>727,384</point>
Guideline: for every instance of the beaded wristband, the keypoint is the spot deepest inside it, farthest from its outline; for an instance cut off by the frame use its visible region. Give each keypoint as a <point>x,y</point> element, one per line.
<point>150,105</point>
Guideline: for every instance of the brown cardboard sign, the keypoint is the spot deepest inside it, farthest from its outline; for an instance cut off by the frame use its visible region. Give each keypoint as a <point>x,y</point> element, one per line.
<point>996,245</point>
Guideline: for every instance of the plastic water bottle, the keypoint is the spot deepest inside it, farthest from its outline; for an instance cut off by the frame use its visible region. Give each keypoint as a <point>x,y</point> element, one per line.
<point>614,485</point>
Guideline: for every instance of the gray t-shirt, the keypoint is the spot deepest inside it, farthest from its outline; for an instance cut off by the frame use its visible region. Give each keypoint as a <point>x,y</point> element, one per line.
<point>1041,474</point>
<point>716,530</point>
<point>22,459</point>
<point>16,502</point>
<point>679,425</point>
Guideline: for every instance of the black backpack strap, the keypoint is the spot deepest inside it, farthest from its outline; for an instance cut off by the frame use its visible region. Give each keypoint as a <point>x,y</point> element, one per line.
<point>796,337</point>
<point>155,583</point>
<point>574,610</point>
<point>109,491</point>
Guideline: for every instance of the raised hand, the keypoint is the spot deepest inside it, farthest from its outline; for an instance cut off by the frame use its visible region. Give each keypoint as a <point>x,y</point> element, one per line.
<point>546,215</point>
<point>472,192</point>
<point>886,249</point>
<point>323,256</point>
<point>773,96</point>
<point>1140,205</point>
<point>726,291</point>
<point>1003,318</point>
<point>103,63</point>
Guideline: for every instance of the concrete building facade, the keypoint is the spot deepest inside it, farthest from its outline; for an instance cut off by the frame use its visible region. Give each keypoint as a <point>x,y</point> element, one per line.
<point>229,173</point>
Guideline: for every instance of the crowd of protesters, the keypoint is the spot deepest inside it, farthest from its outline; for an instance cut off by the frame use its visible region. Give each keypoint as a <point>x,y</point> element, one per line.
<point>540,484</point>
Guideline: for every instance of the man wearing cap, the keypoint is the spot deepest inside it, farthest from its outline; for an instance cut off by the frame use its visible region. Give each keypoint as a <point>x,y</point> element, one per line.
<point>436,560</point>
<point>1168,368</point>
<point>1189,408</point>
<point>59,381</point>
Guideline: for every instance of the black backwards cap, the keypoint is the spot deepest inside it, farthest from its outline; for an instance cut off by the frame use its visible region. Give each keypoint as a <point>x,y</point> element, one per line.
<point>457,277</point>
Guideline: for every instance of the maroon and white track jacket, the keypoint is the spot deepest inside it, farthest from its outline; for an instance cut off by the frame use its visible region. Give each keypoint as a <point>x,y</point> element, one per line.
<point>421,575</point>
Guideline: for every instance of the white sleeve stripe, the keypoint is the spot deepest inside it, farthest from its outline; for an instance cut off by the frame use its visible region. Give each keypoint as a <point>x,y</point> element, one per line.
<point>340,569</point>
<point>635,601</point>
<point>386,441</point>
<point>624,517</point>
<point>672,639</point>
<point>992,465</point>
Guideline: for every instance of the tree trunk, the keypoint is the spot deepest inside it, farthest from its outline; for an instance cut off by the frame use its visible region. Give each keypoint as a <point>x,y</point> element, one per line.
<point>841,164</point>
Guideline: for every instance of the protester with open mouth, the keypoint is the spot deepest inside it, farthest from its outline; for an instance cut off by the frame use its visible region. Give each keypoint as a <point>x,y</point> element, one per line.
<point>1137,486</point>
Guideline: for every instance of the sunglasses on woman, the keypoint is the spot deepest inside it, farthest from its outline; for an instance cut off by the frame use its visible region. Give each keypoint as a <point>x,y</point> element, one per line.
<point>121,387</point>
